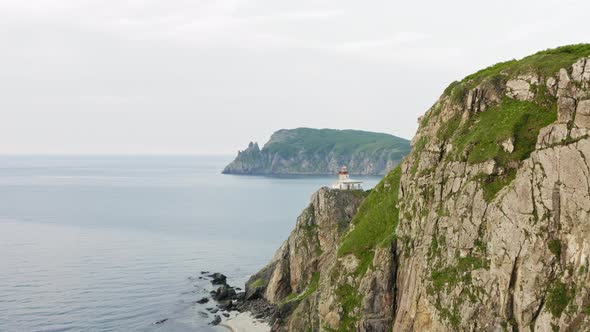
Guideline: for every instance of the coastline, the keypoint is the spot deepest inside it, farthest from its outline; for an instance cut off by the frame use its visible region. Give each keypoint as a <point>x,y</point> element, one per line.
<point>245,322</point>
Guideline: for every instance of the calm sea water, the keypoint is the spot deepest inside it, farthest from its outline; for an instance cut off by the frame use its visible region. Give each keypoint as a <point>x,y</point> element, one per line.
<point>118,243</point>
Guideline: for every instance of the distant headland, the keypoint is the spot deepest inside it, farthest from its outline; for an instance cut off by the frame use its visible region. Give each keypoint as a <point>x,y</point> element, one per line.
<point>321,151</point>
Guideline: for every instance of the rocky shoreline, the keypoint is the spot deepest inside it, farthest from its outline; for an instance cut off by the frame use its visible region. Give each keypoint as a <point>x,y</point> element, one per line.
<point>231,301</point>
<point>229,306</point>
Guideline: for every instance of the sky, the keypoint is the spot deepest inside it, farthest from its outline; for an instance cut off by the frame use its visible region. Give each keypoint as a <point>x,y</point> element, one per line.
<point>207,77</point>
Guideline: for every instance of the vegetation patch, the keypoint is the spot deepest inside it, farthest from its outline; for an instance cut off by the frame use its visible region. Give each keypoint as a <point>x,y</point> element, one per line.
<point>258,283</point>
<point>445,278</point>
<point>436,245</point>
<point>449,276</point>
<point>558,298</point>
<point>313,285</point>
<point>546,62</point>
<point>310,229</point>
<point>349,299</point>
<point>417,151</point>
<point>375,222</point>
<point>452,316</point>
<point>491,184</point>
<point>555,247</point>
<point>449,128</point>
<point>481,138</point>
<point>365,262</point>
<point>311,288</point>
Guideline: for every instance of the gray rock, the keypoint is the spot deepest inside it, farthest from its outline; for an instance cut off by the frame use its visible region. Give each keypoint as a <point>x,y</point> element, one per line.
<point>223,293</point>
<point>218,279</point>
<point>216,320</point>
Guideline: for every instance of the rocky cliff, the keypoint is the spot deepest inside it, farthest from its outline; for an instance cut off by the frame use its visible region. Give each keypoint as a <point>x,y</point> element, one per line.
<point>321,151</point>
<point>485,226</point>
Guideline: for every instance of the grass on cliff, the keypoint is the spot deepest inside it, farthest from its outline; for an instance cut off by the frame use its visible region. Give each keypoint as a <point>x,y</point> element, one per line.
<point>481,137</point>
<point>349,299</point>
<point>491,184</point>
<point>547,63</point>
<point>258,283</point>
<point>311,288</point>
<point>559,297</point>
<point>555,247</point>
<point>523,119</point>
<point>375,221</point>
<point>450,276</point>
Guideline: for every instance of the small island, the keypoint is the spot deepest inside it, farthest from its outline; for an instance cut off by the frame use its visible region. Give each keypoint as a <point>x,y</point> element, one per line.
<point>321,152</point>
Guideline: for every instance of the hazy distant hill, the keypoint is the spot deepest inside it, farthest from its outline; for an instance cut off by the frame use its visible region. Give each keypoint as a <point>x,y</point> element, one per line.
<point>321,151</point>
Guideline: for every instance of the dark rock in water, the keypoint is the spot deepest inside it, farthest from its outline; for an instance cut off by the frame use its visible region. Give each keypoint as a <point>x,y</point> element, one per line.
<point>224,293</point>
<point>203,300</point>
<point>204,272</point>
<point>225,314</point>
<point>216,320</point>
<point>240,296</point>
<point>203,314</point>
<point>218,279</point>
<point>237,288</point>
<point>213,310</point>
<point>161,321</point>
<point>227,306</point>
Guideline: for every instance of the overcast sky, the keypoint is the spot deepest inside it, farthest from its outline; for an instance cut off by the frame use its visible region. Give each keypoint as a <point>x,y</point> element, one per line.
<point>205,76</point>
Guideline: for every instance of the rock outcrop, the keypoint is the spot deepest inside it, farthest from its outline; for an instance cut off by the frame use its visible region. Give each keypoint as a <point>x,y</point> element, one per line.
<point>321,151</point>
<point>494,205</point>
<point>485,226</point>
<point>300,267</point>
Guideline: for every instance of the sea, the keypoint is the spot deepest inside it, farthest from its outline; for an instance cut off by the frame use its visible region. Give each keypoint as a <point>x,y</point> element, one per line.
<point>118,243</point>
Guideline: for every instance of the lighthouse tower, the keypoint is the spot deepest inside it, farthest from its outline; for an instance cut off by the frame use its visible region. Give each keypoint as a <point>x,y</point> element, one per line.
<point>345,182</point>
<point>343,175</point>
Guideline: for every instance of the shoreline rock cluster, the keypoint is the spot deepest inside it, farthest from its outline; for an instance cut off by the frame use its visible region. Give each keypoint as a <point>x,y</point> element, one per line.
<point>233,299</point>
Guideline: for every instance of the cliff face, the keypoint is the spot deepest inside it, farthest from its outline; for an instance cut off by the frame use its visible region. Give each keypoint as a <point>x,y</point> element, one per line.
<point>300,268</point>
<point>494,204</point>
<point>337,268</point>
<point>485,226</point>
<point>321,151</point>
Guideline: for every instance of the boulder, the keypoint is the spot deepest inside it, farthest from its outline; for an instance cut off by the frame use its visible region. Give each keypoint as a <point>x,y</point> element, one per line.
<point>223,293</point>
<point>218,279</point>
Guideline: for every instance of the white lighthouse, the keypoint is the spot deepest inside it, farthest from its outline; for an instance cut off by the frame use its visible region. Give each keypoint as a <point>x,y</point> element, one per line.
<point>345,182</point>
